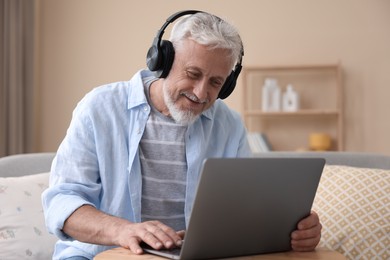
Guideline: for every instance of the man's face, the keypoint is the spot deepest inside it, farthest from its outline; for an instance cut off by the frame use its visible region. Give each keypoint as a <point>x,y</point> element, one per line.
<point>194,82</point>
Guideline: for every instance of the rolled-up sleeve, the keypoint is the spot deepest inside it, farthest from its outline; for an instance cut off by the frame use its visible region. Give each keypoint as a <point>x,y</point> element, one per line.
<point>74,178</point>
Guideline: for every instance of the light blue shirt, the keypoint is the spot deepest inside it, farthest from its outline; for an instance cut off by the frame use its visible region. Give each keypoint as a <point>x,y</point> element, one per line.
<point>98,161</point>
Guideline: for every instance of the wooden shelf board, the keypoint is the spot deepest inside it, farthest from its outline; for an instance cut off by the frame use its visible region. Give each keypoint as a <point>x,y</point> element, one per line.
<point>333,66</point>
<point>303,112</point>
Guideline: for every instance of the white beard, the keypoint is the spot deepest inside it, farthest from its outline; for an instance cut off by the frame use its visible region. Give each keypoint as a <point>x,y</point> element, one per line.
<point>183,117</point>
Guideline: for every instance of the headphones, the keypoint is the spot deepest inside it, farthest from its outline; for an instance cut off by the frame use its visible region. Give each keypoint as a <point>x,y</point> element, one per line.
<point>161,54</point>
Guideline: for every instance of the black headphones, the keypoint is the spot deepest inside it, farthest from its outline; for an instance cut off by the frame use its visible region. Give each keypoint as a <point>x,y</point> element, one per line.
<point>161,54</point>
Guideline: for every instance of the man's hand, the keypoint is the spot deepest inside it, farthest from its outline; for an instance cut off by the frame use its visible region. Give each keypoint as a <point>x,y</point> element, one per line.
<point>308,234</point>
<point>153,233</point>
<point>87,224</point>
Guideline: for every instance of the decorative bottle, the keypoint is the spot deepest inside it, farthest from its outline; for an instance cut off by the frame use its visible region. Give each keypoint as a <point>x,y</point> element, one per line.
<point>290,99</point>
<point>271,95</point>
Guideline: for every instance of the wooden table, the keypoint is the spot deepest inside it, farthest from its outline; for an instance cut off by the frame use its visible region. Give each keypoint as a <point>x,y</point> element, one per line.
<point>319,254</point>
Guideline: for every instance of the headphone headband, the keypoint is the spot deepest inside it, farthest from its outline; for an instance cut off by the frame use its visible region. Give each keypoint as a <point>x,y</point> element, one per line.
<point>170,19</point>
<point>175,16</point>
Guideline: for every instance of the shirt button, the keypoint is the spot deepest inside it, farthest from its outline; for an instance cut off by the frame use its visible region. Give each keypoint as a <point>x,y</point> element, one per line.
<point>145,108</point>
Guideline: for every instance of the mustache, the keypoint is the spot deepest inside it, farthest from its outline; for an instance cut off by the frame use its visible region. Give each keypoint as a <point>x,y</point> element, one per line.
<point>195,98</point>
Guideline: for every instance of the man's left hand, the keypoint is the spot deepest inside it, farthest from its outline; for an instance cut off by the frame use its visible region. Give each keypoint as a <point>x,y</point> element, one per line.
<point>308,234</point>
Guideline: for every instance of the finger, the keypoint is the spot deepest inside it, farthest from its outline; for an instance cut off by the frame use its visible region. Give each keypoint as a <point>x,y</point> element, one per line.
<point>308,242</point>
<point>307,233</point>
<point>164,234</point>
<point>134,246</point>
<point>181,233</point>
<point>175,237</point>
<point>150,238</point>
<point>305,245</point>
<point>309,222</point>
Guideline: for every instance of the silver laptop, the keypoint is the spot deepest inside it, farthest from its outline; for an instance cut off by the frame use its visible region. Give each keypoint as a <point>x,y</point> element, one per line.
<point>248,206</point>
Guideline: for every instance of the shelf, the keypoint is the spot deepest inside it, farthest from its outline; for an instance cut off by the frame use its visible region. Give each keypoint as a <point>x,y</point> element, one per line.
<point>319,87</point>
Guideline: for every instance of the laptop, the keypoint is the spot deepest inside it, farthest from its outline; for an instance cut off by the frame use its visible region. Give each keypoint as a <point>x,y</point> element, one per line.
<point>247,206</point>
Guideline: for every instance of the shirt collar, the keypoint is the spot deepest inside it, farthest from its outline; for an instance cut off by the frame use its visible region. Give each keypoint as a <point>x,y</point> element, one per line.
<point>136,95</point>
<point>209,112</point>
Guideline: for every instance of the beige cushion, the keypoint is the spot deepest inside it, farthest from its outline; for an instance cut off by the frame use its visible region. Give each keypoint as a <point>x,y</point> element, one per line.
<point>23,233</point>
<point>353,204</point>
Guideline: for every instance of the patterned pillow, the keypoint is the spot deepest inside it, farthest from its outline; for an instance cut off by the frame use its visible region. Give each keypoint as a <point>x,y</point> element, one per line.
<point>23,233</point>
<point>354,208</point>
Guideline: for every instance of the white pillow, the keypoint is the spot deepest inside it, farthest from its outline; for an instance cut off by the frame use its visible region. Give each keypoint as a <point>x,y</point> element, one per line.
<point>23,234</point>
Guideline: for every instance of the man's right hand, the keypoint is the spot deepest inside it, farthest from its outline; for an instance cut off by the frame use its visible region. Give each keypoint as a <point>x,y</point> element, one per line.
<point>90,225</point>
<point>154,233</point>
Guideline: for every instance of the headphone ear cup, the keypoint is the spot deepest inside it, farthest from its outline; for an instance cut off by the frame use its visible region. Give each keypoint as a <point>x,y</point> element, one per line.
<point>228,86</point>
<point>230,82</point>
<point>153,58</point>
<point>167,57</point>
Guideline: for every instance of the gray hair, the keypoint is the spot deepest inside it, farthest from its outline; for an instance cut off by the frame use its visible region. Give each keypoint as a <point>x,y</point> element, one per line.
<point>209,30</point>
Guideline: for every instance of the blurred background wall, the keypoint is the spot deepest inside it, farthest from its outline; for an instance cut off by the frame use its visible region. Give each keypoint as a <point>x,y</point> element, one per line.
<point>84,44</point>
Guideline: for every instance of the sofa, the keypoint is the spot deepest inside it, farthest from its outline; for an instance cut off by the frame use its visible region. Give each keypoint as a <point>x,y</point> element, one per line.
<point>352,200</point>
<point>23,234</point>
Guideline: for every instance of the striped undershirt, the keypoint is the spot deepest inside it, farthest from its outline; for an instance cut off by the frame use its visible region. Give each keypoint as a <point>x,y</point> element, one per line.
<point>164,167</point>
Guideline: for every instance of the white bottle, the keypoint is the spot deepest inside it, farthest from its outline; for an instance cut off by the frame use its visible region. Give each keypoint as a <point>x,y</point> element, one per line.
<point>271,95</point>
<point>290,99</point>
<point>266,94</point>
